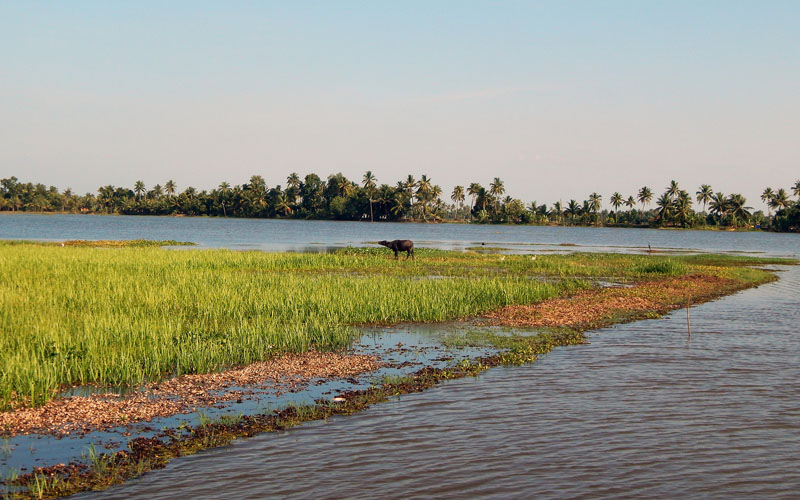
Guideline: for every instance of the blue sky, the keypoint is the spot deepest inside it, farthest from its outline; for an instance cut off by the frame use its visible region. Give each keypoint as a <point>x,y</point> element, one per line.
<point>559,99</point>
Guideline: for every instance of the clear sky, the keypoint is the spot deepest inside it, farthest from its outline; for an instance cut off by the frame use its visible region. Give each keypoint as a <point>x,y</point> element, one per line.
<point>558,98</point>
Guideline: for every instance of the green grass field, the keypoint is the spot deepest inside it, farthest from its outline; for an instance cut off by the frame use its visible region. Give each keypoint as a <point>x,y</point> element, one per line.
<point>116,314</point>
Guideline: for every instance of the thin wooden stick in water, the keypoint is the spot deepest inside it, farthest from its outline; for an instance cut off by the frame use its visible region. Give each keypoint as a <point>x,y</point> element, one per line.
<point>688,324</point>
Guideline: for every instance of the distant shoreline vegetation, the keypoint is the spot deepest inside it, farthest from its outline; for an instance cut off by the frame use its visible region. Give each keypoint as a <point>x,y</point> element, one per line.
<point>417,200</point>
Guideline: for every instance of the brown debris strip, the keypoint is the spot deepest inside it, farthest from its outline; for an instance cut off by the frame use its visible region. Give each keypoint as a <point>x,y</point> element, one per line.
<point>591,308</point>
<point>184,394</point>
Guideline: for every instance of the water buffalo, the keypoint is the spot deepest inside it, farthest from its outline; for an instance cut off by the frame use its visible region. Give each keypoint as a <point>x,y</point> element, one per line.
<point>400,246</point>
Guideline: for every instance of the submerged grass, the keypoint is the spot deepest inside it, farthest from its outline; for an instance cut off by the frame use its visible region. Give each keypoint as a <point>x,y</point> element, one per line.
<point>83,314</point>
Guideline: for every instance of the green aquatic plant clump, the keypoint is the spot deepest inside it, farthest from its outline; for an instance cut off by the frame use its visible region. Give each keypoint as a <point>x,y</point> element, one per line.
<point>665,267</point>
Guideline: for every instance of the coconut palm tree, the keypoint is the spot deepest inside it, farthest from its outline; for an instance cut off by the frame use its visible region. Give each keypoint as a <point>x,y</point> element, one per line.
<point>558,209</point>
<point>293,181</point>
<point>410,183</point>
<point>224,189</point>
<point>737,209</point>
<point>616,201</point>
<point>424,185</point>
<point>780,200</point>
<point>156,192</point>
<point>483,198</point>
<point>105,196</point>
<point>719,204</point>
<point>398,203</point>
<point>349,188</point>
<point>139,189</point>
<point>424,195</point>
<point>497,188</point>
<point>257,195</point>
<point>170,187</point>
<point>572,210</point>
<point>532,207</point>
<point>630,202</point>
<point>682,207</point>
<point>767,197</point>
<point>673,190</point>
<point>704,195</point>
<point>293,189</point>
<point>796,189</point>
<point>473,190</point>
<point>282,205</point>
<point>664,210</point>
<point>645,196</point>
<point>594,204</point>
<point>369,187</point>
<point>436,192</point>
<point>458,196</point>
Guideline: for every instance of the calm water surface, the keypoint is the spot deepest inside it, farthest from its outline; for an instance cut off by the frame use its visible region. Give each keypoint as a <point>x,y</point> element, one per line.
<point>322,235</point>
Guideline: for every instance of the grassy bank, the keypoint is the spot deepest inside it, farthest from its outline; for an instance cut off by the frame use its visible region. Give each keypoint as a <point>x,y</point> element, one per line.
<point>85,314</point>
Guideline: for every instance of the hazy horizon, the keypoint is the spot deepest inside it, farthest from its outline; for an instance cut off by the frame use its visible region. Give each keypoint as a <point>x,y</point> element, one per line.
<point>558,100</point>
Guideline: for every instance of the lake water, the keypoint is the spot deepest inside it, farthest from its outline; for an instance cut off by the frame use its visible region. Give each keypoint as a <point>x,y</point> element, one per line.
<point>279,235</point>
<point>643,411</point>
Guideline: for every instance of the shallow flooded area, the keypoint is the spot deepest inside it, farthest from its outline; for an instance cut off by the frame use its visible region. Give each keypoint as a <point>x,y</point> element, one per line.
<point>644,410</point>
<point>400,350</point>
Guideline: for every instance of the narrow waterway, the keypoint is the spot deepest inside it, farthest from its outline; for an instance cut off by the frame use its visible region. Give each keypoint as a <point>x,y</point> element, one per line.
<point>644,410</point>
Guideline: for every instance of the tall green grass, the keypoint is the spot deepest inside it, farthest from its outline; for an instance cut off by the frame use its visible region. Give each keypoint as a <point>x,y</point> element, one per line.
<point>121,316</point>
<point>77,315</point>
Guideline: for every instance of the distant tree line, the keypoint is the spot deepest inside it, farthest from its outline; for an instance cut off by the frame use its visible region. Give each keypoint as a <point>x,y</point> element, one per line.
<point>411,199</point>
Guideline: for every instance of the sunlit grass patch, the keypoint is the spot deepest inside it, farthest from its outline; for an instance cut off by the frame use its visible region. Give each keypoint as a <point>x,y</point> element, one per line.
<point>79,315</point>
<point>120,316</point>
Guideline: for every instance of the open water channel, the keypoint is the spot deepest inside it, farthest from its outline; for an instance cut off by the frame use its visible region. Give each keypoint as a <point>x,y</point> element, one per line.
<point>642,411</point>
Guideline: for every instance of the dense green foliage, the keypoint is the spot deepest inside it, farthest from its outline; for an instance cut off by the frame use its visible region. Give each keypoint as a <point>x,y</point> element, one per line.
<point>339,198</point>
